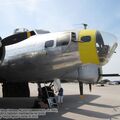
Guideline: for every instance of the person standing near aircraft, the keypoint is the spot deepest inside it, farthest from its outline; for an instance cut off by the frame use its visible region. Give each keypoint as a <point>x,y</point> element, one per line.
<point>60,97</point>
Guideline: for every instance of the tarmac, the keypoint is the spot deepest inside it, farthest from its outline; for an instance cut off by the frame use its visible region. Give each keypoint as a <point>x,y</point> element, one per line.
<point>103,103</point>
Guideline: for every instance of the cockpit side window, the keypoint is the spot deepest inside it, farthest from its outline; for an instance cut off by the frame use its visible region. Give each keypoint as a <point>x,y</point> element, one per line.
<point>63,39</point>
<point>49,43</point>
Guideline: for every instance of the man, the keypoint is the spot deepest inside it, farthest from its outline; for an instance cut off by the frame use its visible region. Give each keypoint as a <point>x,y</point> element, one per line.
<point>60,97</point>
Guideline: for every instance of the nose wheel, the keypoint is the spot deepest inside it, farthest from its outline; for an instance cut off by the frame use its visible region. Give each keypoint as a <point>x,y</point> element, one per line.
<point>81,87</point>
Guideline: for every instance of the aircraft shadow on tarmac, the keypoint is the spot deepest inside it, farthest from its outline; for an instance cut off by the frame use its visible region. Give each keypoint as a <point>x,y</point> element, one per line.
<point>70,110</point>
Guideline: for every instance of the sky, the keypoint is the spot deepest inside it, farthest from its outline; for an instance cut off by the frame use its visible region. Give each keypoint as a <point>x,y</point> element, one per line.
<point>60,15</point>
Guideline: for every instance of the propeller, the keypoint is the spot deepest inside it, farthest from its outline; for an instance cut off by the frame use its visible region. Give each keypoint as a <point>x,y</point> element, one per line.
<point>85,25</point>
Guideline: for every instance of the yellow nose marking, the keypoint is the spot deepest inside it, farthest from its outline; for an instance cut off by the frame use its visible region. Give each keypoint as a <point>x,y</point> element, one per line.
<point>87,50</point>
<point>28,34</point>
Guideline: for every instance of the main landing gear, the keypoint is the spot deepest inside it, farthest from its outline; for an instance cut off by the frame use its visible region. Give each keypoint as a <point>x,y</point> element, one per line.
<point>11,89</point>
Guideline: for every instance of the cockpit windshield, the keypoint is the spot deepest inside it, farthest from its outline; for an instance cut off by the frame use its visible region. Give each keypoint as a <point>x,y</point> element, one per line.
<point>106,45</point>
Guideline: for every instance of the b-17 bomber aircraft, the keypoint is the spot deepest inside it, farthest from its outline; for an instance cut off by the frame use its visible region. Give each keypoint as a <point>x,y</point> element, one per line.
<point>40,57</point>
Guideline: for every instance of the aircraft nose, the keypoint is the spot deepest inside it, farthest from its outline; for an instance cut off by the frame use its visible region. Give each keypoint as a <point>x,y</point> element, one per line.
<point>106,44</point>
<point>96,47</point>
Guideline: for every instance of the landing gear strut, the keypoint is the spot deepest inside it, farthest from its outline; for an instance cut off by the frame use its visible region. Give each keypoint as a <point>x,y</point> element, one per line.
<point>11,89</point>
<point>81,87</point>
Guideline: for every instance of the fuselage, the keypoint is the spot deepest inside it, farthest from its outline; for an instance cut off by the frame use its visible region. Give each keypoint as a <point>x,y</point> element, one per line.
<point>40,58</point>
<point>64,55</point>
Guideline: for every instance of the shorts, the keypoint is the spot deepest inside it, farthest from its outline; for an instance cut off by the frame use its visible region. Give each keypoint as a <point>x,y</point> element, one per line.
<point>60,99</point>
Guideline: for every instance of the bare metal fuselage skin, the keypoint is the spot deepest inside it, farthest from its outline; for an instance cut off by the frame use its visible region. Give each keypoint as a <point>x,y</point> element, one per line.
<point>30,60</point>
<point>64,55</point>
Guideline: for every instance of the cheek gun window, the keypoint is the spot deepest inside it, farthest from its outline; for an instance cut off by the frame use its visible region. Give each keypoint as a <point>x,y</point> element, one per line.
<point>49,43</point>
